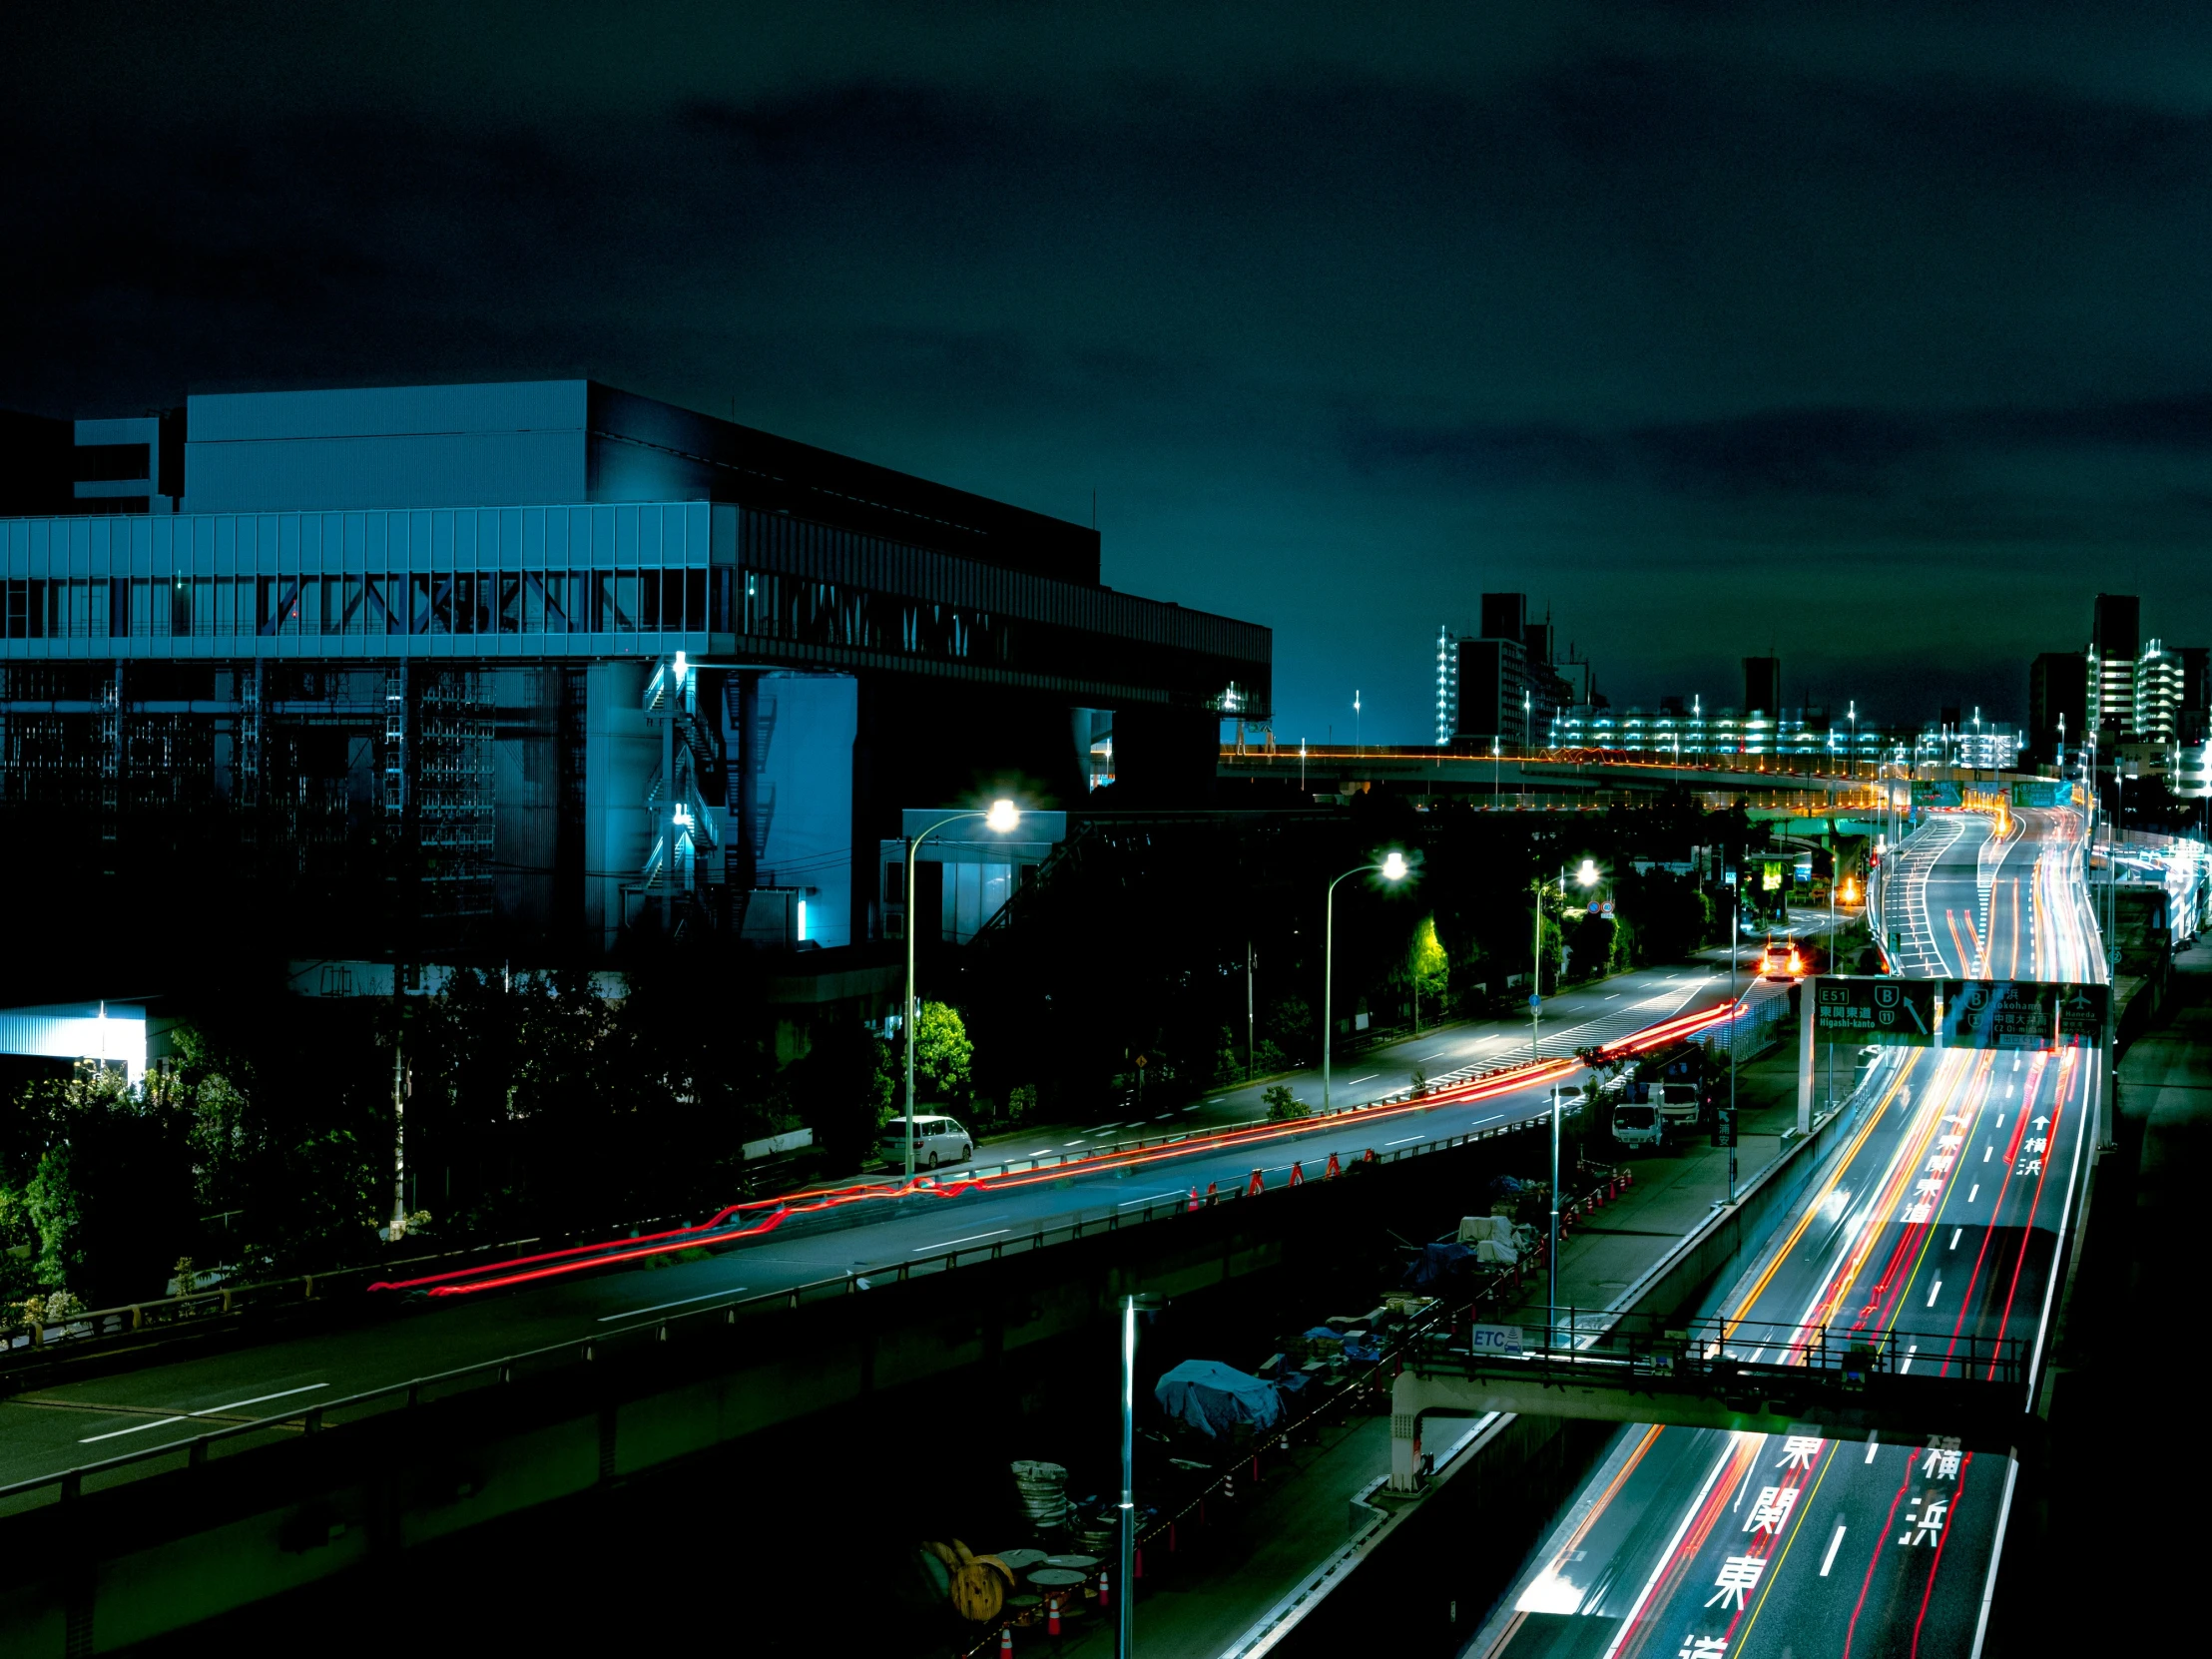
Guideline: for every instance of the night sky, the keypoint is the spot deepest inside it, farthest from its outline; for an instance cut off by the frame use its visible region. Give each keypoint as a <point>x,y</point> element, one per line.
<point>1877,334</point>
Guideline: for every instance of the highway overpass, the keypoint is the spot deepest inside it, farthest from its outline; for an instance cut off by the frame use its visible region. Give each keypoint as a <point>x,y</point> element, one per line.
<point>1937,1234</point>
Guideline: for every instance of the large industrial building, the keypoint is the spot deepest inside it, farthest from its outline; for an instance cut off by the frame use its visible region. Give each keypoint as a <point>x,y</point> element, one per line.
<point>473,672</point>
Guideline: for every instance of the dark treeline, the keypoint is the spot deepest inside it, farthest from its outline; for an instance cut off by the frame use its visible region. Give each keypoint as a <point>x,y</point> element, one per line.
<point>535,1105</point>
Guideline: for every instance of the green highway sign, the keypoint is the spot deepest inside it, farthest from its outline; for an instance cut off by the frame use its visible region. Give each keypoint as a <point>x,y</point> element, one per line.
<point>2021,1013</point>
<point>1900,1012</point>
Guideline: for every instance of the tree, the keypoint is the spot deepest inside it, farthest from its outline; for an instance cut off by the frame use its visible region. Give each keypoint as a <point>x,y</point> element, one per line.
<point>945,1059</point>
<point>1429,968</point>
<point>842,1090</point>
<point>1281,1103</point>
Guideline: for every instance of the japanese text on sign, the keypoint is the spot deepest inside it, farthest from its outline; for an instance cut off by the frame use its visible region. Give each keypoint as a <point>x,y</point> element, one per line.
<point>1889,1011</point>
<point>2021,1013</point>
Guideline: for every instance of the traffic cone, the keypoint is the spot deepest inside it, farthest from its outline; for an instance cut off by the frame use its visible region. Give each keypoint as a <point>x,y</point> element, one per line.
<point>1052,1616</point>
<point>1005,1641</point>
<point>1254,1186</point>
<point>1334,1170</point>
<point>1213,1193</point>
<point>1368,1157</point>
<point>1194,1199</point>
<point>1297,1174</point>
<point>1105,1590</point>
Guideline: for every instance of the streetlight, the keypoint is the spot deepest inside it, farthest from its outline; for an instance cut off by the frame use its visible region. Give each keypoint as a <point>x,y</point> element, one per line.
<point>1131,1306</point>
<point>1000,818</point>
<point>1393,868</point>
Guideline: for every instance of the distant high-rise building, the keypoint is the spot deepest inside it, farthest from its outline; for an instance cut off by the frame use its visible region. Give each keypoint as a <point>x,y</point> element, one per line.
<point>2057,692</point>
<point>2157,693</point>
<point>1505,617</point>
<point>2194,719</point>
<point>1763,685</point>
<point>2115,640</point>
<point>1492,679</point>
<point>1447,687</point>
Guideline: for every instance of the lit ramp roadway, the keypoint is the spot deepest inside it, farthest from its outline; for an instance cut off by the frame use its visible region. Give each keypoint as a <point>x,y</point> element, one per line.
<point>1967,898</point>
<point>512,1307</point>
<point>1939,1220</point>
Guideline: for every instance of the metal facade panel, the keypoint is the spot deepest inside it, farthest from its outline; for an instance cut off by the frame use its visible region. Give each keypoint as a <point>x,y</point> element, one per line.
<point>382,411</point>
<point>458,469</point>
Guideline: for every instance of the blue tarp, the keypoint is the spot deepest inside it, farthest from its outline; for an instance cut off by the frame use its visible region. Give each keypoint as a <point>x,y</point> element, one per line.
<point>1211,1397</point>
<point>1437,1262</point>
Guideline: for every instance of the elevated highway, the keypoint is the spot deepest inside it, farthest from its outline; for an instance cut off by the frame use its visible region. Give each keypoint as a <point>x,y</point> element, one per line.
<point>1935,1236</point>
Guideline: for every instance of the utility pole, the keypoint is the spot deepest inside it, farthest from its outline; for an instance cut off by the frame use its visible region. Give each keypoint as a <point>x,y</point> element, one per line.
<point>1536,978</point>
<point>1250,1028</point>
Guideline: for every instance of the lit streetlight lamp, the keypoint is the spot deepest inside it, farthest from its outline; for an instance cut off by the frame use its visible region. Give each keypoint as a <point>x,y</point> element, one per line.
<point>1392,868</point>
<point>1001,816</point>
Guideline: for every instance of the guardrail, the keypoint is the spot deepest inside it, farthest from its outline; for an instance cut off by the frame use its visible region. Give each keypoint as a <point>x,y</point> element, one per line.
<point>197,1449</point>
<point>190,1313</point>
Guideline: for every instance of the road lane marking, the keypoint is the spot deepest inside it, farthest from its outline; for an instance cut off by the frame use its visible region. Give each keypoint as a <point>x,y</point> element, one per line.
<point>970,1238</point>
<point>1906,1364</point>
<point>207,1412</point>
<point>1872,1446</point>
<point>1171,1192</point>
<point>1954,1232</point>
<point>1401,1141</point>
<point>1986,1151</point>
<point>1975,1193</point>
<point>1936,1288</point>
<point>136,1429</point>
<point>1834,1544</point>
<point>1370,1077</point>
<point>680,1301</point>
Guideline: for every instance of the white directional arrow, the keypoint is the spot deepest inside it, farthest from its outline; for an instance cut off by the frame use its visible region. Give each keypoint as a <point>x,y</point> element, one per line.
<point>2041,1122</point>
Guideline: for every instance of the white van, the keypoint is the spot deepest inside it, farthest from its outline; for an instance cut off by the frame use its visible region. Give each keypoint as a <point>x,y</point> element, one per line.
<point>938,1140</point>
<point>1635,1124</point>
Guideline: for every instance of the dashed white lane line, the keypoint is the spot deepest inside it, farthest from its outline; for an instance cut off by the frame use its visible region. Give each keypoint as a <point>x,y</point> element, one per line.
<point>233,1406</point>
<point>972,1238</point>
<point>661,1306</point>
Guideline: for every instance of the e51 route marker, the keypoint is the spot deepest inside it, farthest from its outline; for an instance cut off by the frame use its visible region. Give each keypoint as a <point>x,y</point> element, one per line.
<point>1894,1013</point>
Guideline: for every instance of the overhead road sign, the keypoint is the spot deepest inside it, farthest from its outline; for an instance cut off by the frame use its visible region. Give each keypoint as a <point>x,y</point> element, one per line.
<point>2021,1013</point>
<point>1898,1012</point>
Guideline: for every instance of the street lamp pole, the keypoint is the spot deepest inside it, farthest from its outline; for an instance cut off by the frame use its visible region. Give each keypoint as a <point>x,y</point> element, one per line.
<point>1735,927</point>
<point>1393,868</point>
<point>1125,1646</point>
<point>1001,816</point>
<point>1536,977</point>
<point>1551,1254</point>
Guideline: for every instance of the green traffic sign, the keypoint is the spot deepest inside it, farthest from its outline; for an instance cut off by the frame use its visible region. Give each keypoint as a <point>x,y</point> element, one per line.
<point>1898,1012</point>
<point>2022,1013</point>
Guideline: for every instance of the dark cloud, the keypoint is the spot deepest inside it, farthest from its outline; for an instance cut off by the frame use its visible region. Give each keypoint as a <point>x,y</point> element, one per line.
<point>1678,315</point>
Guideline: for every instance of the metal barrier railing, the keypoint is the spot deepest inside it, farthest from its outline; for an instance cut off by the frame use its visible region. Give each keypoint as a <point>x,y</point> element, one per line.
<point>197,1449</point>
